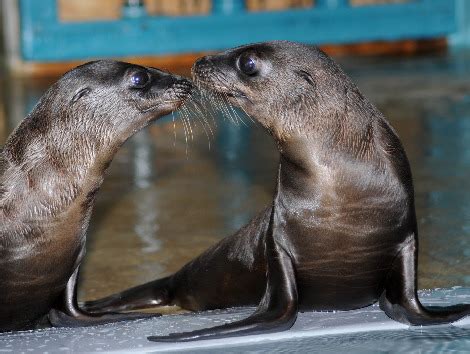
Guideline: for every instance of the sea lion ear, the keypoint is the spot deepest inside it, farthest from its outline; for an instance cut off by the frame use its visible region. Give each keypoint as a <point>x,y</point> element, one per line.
<point>306,76</point>
<point>83,92</point>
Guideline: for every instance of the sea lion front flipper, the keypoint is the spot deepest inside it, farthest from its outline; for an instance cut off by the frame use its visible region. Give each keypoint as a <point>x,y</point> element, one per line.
<point>400,299</point>
<point>69,314</point>
<point>277,310</point>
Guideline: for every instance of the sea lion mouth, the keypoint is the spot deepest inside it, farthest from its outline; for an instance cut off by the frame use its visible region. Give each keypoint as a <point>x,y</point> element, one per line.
<point>229,92</point>
<point>210,78</point>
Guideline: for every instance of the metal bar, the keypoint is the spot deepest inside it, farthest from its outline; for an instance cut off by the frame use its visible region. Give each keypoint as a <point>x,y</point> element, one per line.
<point>228,7</point>
<point>133,9</point>
<point>462,37</point>
<point>331,4</point>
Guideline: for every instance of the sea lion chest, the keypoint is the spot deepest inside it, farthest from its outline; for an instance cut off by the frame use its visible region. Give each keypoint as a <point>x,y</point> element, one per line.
<point>36,263</point>
<point>342,240</point>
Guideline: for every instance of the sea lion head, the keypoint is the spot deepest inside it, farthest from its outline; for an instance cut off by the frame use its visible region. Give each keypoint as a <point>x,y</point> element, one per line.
<point>92,110</point>
<point>287,87</point>
<point>119,98</point>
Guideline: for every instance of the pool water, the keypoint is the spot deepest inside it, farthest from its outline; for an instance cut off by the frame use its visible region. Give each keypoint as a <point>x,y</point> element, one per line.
<point>165,199</point>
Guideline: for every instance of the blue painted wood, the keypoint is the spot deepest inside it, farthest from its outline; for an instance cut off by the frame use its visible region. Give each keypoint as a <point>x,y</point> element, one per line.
<point>44,38</point>
<point>332,3</point>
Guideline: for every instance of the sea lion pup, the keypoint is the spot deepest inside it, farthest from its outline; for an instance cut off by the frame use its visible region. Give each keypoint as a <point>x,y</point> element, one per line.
<point>341,231</point>
<point>51,167</point>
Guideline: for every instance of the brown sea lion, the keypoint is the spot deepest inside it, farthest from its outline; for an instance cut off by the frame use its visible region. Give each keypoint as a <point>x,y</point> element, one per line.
<point>51,167</point>
<point>341,231</point>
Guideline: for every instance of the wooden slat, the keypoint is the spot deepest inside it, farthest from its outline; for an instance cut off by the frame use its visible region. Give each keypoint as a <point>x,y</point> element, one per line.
<point>273,5</point>
<point>375,2</point>
<point>178,7</point>
<point>88,10</point>
<point>92,10</point>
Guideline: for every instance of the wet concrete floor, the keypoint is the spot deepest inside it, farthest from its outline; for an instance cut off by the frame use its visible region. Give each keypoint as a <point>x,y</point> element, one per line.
<point>166,200</point>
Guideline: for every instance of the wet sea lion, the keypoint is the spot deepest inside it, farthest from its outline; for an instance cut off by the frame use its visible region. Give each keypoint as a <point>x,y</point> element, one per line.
<point>341,231</point>
<point>51,167</point>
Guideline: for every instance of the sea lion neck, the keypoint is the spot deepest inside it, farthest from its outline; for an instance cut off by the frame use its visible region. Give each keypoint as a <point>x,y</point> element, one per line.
<point>43,149</point>
<point>311,159</point>
<point>302,167</point>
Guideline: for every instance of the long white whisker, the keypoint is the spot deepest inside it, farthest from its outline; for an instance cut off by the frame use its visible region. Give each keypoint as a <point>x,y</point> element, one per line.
<point>185,132</point>
<point>187,115</point>
<point>174,127</point>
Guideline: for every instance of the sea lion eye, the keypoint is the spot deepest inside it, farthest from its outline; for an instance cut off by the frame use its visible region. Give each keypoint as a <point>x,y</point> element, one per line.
<point>247,64</point>
<point>140,79</point>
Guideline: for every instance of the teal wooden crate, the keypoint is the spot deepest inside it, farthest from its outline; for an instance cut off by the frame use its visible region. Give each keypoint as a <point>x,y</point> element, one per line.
<point>44,38</point>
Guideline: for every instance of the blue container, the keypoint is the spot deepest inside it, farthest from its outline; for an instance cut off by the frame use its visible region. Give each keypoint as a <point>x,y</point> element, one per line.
<point>45,38</point>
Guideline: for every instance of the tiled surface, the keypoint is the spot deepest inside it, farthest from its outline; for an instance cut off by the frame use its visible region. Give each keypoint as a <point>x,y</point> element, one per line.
<point>367,330</point>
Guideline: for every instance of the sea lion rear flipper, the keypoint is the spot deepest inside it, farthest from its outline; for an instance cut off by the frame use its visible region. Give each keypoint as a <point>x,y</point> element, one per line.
<point>277,310</point>
<point>151,294</point>
<point>400,299</point>
<point>69,314</point>
<point>59,318</point>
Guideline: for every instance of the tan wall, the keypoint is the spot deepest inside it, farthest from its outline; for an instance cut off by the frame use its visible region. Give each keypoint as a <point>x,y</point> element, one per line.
<point>90,10</point>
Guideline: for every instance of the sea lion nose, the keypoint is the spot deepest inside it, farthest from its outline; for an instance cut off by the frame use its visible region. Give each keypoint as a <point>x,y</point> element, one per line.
<point>200,65</point>
<point>163,80</point>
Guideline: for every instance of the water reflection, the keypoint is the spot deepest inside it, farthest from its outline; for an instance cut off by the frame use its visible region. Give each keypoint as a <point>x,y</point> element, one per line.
<point>231,166</point>
<point>146,206</point>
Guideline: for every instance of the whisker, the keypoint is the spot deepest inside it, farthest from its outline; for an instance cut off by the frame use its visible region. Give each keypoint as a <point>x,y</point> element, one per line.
<point>174,127</point>
<point>226,105</point>
<point>246,114</point>
<point>187,116</point>
<point>236,114</point>
<point>224,109</point>
<point>185,132</point>
<point>206,109</point>
<point>201,116</point>
<point>205,131</point>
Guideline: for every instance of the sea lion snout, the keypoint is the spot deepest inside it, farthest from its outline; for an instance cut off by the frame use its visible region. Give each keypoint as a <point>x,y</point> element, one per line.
<point>213,73</point>
<point>182,87</point>
<point>201,69</point>
<point>162,93</point>
<point>160,82</point>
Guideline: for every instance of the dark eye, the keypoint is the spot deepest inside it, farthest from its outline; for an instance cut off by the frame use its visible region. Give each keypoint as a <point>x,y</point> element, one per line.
<point>140,79</point>
<point>247,65</point>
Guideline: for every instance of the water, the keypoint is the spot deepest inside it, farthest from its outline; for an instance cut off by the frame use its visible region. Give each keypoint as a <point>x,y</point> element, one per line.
<point>164,201</point>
